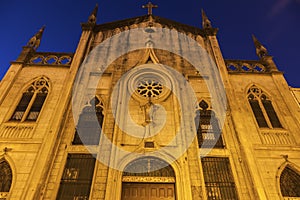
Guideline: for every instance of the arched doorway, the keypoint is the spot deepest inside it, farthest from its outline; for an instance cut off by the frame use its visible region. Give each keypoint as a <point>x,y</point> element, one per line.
<point>148,178</point>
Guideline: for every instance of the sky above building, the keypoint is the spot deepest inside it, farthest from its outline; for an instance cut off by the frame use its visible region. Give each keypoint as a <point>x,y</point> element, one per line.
<point>276,23</point>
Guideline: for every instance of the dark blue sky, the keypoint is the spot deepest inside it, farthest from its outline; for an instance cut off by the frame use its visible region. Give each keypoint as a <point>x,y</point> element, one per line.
<point>276,23</point>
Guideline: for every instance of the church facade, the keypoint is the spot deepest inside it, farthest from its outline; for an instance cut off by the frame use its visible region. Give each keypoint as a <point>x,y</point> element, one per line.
<point>147,108</point>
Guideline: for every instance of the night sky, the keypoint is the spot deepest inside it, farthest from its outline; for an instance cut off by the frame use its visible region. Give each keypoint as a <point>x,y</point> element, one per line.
<point>276,23</point>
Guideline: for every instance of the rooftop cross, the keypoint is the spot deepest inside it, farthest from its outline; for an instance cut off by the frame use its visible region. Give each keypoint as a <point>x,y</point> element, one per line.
<point>149,6</point>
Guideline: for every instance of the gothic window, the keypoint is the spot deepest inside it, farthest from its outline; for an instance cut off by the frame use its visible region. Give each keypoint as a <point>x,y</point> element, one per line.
<point>5,176</point>
<point>208,131</point>
<point>290,183</point>
<point>262,108</point>
<point>77,177</point>
<point>89,125</point>
<point>218,178</point>
<point>32,101</point>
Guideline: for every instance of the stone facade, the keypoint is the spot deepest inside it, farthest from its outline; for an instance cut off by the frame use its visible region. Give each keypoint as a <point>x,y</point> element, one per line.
<point>37,150</point>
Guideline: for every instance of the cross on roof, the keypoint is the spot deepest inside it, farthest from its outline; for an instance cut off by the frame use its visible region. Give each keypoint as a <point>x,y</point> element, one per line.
<point>149,6</point>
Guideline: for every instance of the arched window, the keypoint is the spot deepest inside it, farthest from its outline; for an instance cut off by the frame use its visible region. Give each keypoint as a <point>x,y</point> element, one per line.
<point>89,125</point>
<point>262,108</point>
<point>32,101</point>
<point>5,176</point>
<point>290,183</point>
<point>208,131</point>
<point>149,166</point>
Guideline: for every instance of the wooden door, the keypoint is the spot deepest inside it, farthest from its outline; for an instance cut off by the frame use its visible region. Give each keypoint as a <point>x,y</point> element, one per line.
<point>148,191</point>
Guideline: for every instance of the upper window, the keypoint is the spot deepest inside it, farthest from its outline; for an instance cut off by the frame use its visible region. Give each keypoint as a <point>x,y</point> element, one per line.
<point>89,125</point>
<point>208,131</point>
<point>32,101</point>
<point>5,176</point>
<point>290,183</point>
<point>262,108</point>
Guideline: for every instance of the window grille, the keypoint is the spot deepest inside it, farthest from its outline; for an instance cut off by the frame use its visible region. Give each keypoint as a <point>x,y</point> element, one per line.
<point>218,179</point>
<point>208,131</point>
<point>89,126</point>
<point>262,108</point>
<point>77,177</point>
<point>5,176</point>
<point>32,101</point>
<point>290,183</point>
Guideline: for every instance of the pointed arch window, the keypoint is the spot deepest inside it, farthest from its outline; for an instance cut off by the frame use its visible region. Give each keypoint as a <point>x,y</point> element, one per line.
<point>88,129</point>
<point>5,176</point>
<point>32,101</point>
<point>290,183</point>
<point>262,108</point>
<point>208,131</point>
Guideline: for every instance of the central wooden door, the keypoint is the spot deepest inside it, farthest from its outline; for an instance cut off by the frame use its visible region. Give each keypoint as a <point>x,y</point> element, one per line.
<point>148,191</point>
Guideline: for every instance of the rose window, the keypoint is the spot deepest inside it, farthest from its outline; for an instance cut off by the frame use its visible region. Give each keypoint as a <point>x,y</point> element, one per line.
<point>149,88</point>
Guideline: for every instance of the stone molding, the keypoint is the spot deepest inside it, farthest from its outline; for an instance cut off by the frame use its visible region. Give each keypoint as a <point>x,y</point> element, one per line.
<point>16,131</point>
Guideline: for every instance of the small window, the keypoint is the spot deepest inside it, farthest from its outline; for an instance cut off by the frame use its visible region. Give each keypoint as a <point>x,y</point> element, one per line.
<point>208,131</point>
<point>290,183</point>
<point>5,176</point>
<point>88,129</point>
<point>218,178</point>
<point>32,101</point>
<point>77,177</point>
<point>262,108</point>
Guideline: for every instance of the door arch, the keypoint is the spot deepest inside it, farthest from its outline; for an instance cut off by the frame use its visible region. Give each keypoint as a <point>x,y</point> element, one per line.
<point>148,178</point>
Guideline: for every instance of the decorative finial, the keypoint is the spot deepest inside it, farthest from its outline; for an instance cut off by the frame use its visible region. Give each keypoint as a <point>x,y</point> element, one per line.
<point>205,21</point>
<point>150,6</point>
<point>93,16</point>
<point>261,51</point>
<point>35,41</point>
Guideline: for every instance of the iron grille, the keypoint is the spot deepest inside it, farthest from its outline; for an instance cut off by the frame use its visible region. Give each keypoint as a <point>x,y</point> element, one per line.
<point>218,179</point>
<point>77,177</point>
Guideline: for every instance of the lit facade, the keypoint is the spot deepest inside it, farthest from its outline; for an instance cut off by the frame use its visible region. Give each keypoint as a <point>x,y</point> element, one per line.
<point>253,153</point>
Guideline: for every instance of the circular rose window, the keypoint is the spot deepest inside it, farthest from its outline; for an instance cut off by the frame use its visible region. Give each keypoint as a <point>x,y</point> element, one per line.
<point>149,88</point>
